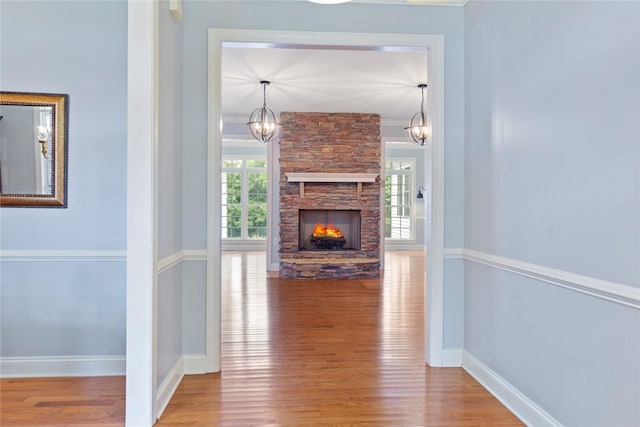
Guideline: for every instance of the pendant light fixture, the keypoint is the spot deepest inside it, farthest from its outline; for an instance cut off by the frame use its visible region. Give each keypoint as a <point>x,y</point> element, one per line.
<point>263,124</point>
<point>417,129</point>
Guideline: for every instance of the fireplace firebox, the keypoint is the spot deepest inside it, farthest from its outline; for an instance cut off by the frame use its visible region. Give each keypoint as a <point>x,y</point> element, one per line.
<point>329,230</point>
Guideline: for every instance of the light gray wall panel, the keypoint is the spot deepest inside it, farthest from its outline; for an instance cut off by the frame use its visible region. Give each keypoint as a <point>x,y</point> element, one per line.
<point>552,178</point>
<point>77,48</point>
<point>453,303</point>
<point>169,321</point>
<point>194,317</point>
<point>170,135</point>
<point>169,309</point>
<point>72,307</point>
<point>553,157</point>
<point>62,308</point>
<point>574,355</point>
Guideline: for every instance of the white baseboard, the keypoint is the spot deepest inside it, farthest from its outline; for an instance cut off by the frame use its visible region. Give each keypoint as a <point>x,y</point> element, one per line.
<point>168,387</point>
<point>195,364</point>
<point>451,357</point>
<point>521,406</point>
<point>62,366</point>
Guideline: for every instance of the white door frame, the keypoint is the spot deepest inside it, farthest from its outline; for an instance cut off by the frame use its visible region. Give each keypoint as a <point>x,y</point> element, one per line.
<point>434,46</point>
<point>142,212</point>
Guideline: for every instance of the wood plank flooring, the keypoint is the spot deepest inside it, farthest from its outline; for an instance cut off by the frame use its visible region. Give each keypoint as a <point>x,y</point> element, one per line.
<point>321,352</point>
<point>294,353</point>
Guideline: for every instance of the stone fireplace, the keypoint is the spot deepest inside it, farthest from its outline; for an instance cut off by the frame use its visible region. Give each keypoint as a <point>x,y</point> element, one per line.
<point>330,167</point>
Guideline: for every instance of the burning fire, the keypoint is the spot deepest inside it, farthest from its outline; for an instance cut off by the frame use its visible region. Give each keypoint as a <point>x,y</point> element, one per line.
<point>329,230</point>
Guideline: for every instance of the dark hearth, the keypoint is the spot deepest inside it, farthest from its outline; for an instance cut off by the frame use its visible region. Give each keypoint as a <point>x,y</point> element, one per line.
<point>329,230</point>
<point>328,243</point>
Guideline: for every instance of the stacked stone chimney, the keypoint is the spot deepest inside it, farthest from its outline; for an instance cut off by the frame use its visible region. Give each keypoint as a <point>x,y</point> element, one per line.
<point>340,143</point>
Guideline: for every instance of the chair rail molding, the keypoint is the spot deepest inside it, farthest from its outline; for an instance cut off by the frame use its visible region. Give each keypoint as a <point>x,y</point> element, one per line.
<point>56,255</point>
<point>610,291</point>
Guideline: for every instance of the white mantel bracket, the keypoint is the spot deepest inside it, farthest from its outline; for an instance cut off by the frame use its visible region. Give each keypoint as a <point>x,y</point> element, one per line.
<point>358,178</point>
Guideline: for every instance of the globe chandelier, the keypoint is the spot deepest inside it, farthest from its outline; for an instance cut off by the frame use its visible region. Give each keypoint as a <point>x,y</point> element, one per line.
<point>263,123</point>
<point>417,129</point>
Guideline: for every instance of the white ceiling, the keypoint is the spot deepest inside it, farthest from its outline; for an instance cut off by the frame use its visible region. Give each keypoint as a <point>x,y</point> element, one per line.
<point>320,79</point>
<point>323,79</point>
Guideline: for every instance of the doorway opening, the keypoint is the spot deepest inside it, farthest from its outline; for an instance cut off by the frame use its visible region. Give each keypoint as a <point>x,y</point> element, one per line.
<point>433,46</point>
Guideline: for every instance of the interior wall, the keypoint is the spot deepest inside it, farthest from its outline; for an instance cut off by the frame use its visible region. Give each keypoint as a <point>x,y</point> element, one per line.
<point>552,204</point>
<point>170,173</point>
<point>62,271</point>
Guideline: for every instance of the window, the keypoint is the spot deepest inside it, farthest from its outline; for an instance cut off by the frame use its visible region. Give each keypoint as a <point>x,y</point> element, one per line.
<point>399,221</point>
<point>244,198</point>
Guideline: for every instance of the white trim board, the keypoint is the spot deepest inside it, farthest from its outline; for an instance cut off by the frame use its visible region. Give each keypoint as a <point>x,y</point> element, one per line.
<point>56,255</point>
<point>168,387</point>
<point>609,291</point>
<point>176,258</point>
<point>62,366</point>
<point>433,46</point>
<point>195,364</point>
<point>519,404</point>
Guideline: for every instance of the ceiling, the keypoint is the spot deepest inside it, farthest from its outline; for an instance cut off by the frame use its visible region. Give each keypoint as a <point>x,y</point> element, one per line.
<point>326,79</point>
<point>322,79</point>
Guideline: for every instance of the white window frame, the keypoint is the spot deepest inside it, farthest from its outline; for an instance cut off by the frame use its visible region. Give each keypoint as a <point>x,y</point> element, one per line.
<point>412,205</point>
<point>244,204</point>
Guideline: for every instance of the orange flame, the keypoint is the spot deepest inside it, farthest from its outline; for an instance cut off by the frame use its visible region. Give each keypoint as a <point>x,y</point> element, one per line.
<point>329,230</point>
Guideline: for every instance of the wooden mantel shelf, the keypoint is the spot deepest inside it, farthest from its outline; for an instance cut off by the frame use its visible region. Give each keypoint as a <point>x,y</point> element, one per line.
<point>330,177</point>
<point>303,177</point>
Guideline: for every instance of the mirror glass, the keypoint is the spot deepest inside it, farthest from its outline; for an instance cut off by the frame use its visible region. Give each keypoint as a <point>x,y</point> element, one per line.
<point>33,149</point>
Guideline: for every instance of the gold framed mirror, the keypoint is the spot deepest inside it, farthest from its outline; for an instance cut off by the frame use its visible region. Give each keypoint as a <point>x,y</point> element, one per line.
<point>33,149</point>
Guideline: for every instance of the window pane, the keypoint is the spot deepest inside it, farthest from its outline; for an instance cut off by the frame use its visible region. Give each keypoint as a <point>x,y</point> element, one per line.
<point>256,163</point>
<point>257,188</point>
<point>257,221</point>
<point>232,163</point>
<point>231,222</point>
<point>231,188</point>
<point>387,222</point>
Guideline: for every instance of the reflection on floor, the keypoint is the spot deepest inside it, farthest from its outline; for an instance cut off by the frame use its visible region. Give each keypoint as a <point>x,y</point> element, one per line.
<point>328,352</point>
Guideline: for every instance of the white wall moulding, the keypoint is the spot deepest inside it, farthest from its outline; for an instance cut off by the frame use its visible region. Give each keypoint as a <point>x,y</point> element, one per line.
<point>169,386</point>
<point>176,258</point>
<point>452,357</point>
<point>610,291</point>
<point>29,255</point>
<point>62,366</point>
<point>521,406</point>
<point>195,364</point>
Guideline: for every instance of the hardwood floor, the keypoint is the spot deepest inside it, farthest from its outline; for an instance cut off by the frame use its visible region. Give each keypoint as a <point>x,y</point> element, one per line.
<point>59,402</point>
<point>294,353</point>
<point>319,352</point>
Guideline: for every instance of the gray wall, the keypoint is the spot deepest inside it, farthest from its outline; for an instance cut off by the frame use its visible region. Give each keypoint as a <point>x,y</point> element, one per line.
<point>552,160</point>
<point>170,278</point>
<point>71,303</point>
